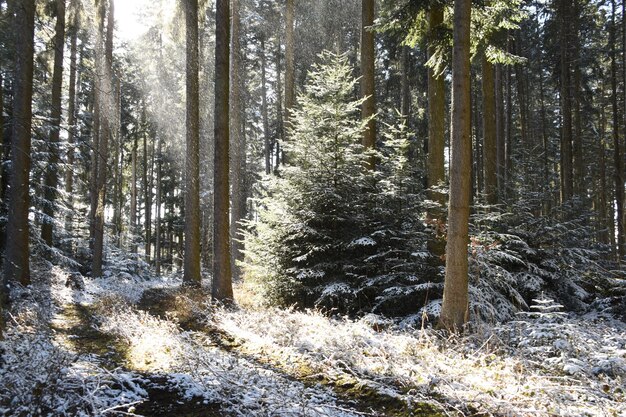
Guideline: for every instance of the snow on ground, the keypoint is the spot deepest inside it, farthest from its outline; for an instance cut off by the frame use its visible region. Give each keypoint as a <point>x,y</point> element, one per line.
<point>540,365</point>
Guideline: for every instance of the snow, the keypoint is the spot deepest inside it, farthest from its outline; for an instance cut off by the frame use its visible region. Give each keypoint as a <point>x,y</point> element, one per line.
<point>544,363</point>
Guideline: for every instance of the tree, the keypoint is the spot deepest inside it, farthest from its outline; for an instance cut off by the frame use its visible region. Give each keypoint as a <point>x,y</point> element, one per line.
<point>16,264</point>
<point>489,132</point>
<point>368,82</point>
<point>191,274</point>
<point>567,181</point>
<point>290,71</point>
<point>106,110</point>
<point>52,174</point>
<point>454,310</point>
<point>436,111</point>
<point>222,277</point>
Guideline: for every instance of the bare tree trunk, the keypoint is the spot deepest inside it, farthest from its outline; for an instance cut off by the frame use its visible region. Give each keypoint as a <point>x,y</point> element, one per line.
<point>603,222</point>
<point>71,113</point>
<point>544,139</point>
<point>290,71</point>
<point>147,192</point>
<point>405,104</point>
<point>500,132</point>
<point>16,266</point>
<point>192,162</point>
<point>368,82</point>
<point>51,177</point>
<point>578,162</point>
<point>436,116</point>
<point>454,309</point>
<point>264,111</point>
<point>222,277</point>
<point>103,145</point>
<point>238,197</point>
<point>157,220</point>
<point>490,155</point>
<point>617,150</point>
<point>133,196</point>
<point>567,185</point>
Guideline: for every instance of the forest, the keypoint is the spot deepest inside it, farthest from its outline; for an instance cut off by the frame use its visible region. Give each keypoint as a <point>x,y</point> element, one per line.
<point>322,208</point>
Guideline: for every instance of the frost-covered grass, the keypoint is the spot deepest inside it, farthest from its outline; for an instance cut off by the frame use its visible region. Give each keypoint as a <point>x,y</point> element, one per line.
<point>536,366</point>
<point>291,363</point>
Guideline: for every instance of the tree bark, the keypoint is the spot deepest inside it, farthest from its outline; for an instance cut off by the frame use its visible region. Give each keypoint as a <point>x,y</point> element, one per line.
<point>191,275</point>
<point>436,116</point>
<point>617,149</point>
<point>567,184</point>
<point>490,155</point>
<point>103,145</point>
<point>222,277</point>
<point>290,71</point>
<point>405,103</point>
<point>264,112</point>
<point>16,266</point>
<point>133,196</point>
<point>157,219</point>
<point>52,172</point>
<point>454,310</point>
<point>368,82</point>
<point>577,140</point>
<point>238,157</point>
<point>71,112</point>
<point>500,132</point>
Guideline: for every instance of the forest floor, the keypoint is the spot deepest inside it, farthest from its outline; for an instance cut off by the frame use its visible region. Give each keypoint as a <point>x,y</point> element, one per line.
<point>128,346</point>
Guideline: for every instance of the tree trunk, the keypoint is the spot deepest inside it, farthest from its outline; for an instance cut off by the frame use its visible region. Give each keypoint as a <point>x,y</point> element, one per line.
<point>567,185</point>
<point>133,196</point>
<point>238,197</point>
<point>16,266</point>
<point>604,225</point>
<point>191,274</point>
<point>405,103</point>
<point>578,168</point>
<point>290,71</point>
<point>368,82</point>
<point>52,172</point>
<point>500,135</point>
<point>436,116</point>
<point>157,219</point>
<point>490,155</point>
<point>222,278</point>
<point>264,111</point>
<point>454,310</point>
<point>617,149</point>
<point>103,145</point>
<point>71,115</point>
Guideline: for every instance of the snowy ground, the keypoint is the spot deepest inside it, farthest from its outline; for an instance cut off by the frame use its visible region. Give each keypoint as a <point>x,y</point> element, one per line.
<point>259,362</point>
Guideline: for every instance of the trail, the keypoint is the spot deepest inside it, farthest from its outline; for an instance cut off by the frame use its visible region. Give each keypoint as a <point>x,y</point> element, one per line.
<point>288,389</point>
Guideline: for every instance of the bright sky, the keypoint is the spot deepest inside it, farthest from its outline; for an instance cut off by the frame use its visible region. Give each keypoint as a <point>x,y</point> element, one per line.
<point>128,22</point>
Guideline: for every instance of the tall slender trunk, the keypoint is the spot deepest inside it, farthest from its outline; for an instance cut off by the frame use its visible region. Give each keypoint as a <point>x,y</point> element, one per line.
<point>617,149</point>
<point>279,109</point>
<point>147,199</point>
<point>290,71</point>
<point>454,310</point>
<point>368,83</point>
<point>222,275</point>
<point>238,197</point>
<point>16,266</point>
<point>118,157</point>
<point>544,140</point>
<point>577,140</point>
<point>103,145</point>
<point>157,219</point>
<point>436,116</point>
<point>405,103</point>
<point>490,154</point>
<point>500,132</point>
<point>567,185</point>
<point>133,196</point>
<point>51,177</point>
<point>71,114</point>
<point>191,274</point>
<point>264,111</point>
<point>603,222</point>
